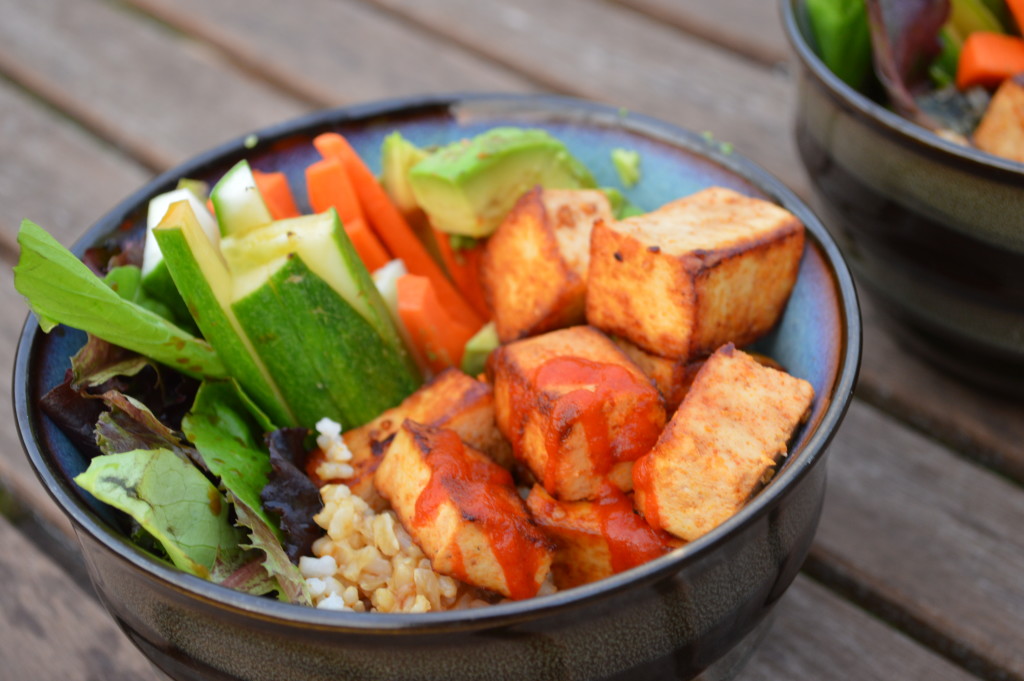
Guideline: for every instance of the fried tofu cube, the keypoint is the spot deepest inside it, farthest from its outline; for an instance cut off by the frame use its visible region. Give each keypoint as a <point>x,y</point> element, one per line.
<point>1001,130</point>
<point>450,400</point>
<point>575,409</point>
<point>721,445</point>
<point>707,269</point>
<point>534,268</point>
<point>463,510</point>
<point>672,376</point>
<point>596,539</point>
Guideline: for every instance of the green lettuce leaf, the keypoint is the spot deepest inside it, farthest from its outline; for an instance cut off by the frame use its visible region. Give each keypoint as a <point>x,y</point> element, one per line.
<point>229,440</point>
<point>843,38</point>
<point>173,501</point>
<point>262,537</point>
<point>60,289</point>
<point>126,281</point>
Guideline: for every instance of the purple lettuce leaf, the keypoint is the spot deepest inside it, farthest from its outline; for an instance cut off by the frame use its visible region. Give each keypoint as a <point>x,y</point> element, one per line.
<point>905,37</point>
<point>290,494</point>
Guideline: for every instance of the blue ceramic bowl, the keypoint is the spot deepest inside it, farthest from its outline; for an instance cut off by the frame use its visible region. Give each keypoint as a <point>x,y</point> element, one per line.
<point>934,230</point>
<point>701,607</point>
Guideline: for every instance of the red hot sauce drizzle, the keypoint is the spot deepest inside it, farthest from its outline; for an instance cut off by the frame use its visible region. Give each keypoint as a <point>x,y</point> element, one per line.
<point>631,541</point>
<point>485,494</point>
<point>599,385</point>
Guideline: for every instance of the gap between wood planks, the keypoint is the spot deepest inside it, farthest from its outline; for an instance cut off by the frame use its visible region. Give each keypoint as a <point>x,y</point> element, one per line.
<point>824,570</point>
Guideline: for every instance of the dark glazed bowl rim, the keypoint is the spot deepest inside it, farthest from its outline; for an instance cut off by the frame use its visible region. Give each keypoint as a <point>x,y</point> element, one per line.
<point>284,614</point>
<point>973,159</point>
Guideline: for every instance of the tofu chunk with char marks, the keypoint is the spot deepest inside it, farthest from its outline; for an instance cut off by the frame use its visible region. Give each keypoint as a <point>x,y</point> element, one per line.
<point>534,268</point>
<point>450,400</point>
<point>463,510</point>
<point>577,411</point>
<point>708,269</point>
<point>596,539</point>
<point>721,445</point>
<point>673,377</point>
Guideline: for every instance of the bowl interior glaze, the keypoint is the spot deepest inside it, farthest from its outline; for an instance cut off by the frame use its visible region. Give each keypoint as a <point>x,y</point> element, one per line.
<point>817,339</point>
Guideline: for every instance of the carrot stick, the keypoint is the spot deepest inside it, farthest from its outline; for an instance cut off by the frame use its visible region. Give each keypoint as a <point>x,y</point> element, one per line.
<point>367,245</point>
<point>439,339</point>
<point>1017,10</point>
<point>463,267</point>
<point>392,228</point>
<point>987,59</point>
<point>328,186</point>
<point>276,194</point>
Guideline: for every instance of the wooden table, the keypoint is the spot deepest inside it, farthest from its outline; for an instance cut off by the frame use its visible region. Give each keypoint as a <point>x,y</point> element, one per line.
<point>918,567</point>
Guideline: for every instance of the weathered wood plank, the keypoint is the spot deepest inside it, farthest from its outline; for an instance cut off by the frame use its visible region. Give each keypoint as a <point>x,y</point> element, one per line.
<point>54,173</point>
<point>816,635</point>
<point>610,54</point>
<point>748,27</point>
<point>154,92</point>
<point>51,629</point>
<point>928,539</point>
<point>334,52</point>
<point>983,426</point>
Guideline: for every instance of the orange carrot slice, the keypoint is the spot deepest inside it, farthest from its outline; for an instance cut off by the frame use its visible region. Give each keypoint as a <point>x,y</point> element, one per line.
<point>987,59</point>
<point>367,245</point>
<point>328,186</point>
<point>276,194</point>
<point>1017,10</point>
<point>463,267</point>
<point>438,337</point>
<point>393,229</point>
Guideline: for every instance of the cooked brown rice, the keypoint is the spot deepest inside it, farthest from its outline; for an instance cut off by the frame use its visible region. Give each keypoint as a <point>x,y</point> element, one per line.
<point>367,562</point>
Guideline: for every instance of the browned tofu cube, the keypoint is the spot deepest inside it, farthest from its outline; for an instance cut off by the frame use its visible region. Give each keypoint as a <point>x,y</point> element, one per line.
<point>463,510</point>
<point>711,268</point>
<point>673,377</point>
<point>721,445</point>
<point>534,268</point>
<point>1001,130</point>
<point>450,400</point>
<point>575,409</point>
<point>596,539</point>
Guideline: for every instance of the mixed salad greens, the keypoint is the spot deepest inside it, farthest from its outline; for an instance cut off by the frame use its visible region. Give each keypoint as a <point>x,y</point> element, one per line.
<point>935,62</point>
<point>217,340</point>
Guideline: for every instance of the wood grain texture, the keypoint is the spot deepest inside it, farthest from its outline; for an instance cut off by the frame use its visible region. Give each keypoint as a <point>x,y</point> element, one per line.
<point>982,426</point>
<point>932,541</point>
<point>51,629</point>
<point>748,27</point>
<point>55,173</point>
<point>154,92</point>
<point>817,635</point>
<point>334,52</point>
<point>614,55</point>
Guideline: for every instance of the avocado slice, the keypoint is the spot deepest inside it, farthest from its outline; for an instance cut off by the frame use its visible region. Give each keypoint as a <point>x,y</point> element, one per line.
<point>468,187</point>
<point>397,156</point>
<point>478,349</point>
